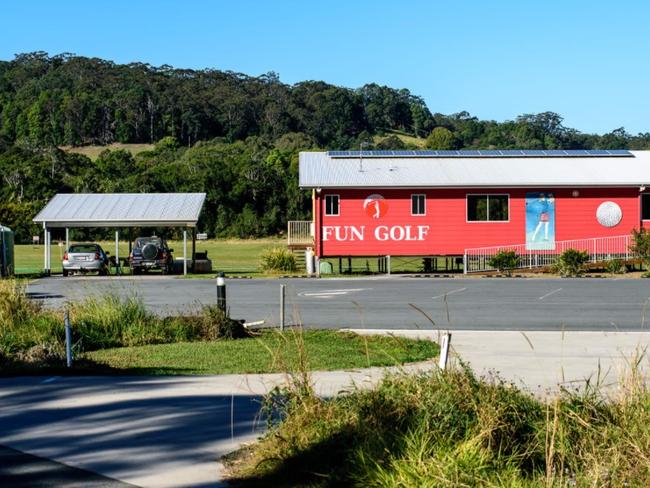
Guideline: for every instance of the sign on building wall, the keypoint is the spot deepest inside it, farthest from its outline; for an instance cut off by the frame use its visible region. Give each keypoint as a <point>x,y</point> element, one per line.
<point>540,221</point>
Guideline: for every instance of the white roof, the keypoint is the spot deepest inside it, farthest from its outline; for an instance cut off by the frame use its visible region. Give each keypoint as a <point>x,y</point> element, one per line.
<point>321,170</point>
<point>122,210</point>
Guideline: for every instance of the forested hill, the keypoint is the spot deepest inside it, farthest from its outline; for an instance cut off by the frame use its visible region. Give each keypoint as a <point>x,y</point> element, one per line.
<point>231,135</point>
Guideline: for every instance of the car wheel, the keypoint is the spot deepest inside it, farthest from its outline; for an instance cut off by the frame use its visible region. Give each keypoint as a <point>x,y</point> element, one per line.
<point>136,271</point>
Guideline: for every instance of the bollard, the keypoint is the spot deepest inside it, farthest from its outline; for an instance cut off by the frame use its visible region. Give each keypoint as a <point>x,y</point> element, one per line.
<point>282,290</point>
<point>68,339</point>
<point>221,292</point>
<point>444,351</point>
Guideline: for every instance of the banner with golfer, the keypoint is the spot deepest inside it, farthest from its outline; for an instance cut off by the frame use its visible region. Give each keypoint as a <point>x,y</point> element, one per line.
<point>540,221</point>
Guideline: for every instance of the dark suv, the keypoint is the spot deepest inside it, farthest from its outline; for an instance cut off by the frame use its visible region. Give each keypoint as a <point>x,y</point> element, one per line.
<point>151,253</point>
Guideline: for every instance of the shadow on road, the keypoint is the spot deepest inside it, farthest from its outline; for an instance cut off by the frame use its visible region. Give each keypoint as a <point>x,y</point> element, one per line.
<point>126,428</point>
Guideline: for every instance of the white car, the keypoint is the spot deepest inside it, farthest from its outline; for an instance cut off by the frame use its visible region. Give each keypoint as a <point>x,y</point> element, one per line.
<point>82,258</point>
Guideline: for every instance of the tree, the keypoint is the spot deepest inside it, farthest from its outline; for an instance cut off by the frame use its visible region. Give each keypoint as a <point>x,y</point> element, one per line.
<point>441,138</point>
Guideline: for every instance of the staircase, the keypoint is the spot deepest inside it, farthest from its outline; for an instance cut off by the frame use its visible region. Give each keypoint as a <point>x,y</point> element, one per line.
<point>300,258</point>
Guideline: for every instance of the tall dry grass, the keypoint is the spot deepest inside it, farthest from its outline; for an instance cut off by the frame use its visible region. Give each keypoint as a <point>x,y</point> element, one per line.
<point>98,322</point>
<point>453,429</point>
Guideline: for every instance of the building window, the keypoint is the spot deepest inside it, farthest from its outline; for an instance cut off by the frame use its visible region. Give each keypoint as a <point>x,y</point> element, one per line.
<point>645,206</point>
<point>418,204</point>
<point>487,208</point>
<point>331,204</point>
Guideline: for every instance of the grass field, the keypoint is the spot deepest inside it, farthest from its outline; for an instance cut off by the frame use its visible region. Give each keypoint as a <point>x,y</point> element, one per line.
<point>93,151</point>
<point>234,256</point>
<point>272,352</point>
<point>407,139</point>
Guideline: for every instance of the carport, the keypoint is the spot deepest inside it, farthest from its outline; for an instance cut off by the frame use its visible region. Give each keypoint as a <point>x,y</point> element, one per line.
<point>120,210</point>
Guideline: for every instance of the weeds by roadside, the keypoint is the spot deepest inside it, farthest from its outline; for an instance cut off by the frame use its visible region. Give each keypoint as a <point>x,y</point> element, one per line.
<point>32,334</point>
<point>453,429</point>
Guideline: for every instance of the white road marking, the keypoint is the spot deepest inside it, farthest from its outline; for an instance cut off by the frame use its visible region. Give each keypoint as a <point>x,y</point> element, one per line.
<point>50,380</point>
<point>549,294</point>
<point>331,293</point>
<point>449,293</point>
<point>325,293</point>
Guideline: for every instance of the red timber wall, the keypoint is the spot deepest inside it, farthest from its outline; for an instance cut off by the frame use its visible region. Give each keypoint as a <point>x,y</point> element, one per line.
<point>444,229</point>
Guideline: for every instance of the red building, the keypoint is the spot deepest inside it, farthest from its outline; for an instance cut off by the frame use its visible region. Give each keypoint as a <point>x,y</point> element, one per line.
<point>442,203</point>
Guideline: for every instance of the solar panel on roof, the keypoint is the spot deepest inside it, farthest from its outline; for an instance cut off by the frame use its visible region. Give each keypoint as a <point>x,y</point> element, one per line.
<point>484,153</point>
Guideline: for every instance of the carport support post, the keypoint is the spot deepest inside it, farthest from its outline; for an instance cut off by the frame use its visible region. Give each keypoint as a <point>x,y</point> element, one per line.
<point>193,248</point>
<point>44,247</point>
<point>47,251</point>
<point>67,239</point>
<point>184,252</point>
<point>388,264</point>
<point>117,252</point>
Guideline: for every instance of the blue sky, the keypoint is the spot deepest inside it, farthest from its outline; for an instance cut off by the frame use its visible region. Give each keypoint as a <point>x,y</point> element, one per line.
<point>587,60</point>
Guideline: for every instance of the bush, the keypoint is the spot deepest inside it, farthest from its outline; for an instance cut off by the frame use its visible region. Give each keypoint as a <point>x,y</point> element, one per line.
<point>641,246</point>
<point>505,261</point>
<point>571,262</point>
<point>278,259</point>
<point>616,266</point>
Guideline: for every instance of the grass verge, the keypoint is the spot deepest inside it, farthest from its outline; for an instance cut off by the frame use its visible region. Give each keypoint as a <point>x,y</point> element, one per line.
<point>271,352</point>
<point>450,429</point>
<point>117,335</point>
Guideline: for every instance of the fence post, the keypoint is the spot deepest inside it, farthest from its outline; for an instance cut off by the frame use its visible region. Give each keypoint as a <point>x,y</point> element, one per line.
<point>465,262</point>
<point>68,339</point>
<point>282,294</point>
<point>388,264</point>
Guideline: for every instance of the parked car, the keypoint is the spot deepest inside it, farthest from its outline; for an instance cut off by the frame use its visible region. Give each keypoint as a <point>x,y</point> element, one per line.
<point>82,258</point>
<point>151,253</point>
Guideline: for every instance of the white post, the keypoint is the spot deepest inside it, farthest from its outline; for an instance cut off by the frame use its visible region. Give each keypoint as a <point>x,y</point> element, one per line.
<point>67,239</point>
<point>44,247</point>
<point>282,292</point>
<point>117,251</point>
<point>388,264</point>
<point>49,251</point>
<point>444,350</point>
<point>184,252</point>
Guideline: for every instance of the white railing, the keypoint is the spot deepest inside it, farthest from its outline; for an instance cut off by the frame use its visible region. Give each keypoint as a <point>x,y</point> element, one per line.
<point>300,233</point>
<point>599,249</point>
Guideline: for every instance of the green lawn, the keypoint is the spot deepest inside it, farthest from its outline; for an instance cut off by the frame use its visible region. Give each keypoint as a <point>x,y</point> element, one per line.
<point>93,151</point>
<point>234,256</point>
<point>271,352</point>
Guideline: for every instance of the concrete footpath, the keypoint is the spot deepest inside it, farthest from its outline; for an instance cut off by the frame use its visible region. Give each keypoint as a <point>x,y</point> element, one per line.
<point>171,431</point>
<point>541,361</point>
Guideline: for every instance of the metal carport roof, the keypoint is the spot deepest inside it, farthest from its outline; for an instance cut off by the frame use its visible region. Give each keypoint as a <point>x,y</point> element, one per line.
<point>122,210</point>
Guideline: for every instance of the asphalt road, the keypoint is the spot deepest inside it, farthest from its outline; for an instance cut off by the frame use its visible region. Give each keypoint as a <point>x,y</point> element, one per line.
<point>21,470</point>
<point>384,302</point>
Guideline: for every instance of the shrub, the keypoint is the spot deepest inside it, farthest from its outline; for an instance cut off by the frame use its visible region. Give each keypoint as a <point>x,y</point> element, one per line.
<point>641,246</point>
<point>216,324</point>
<point>616,266</point>
<point>278,259</point>
<point>571,262</point>
<point>505,261</point>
